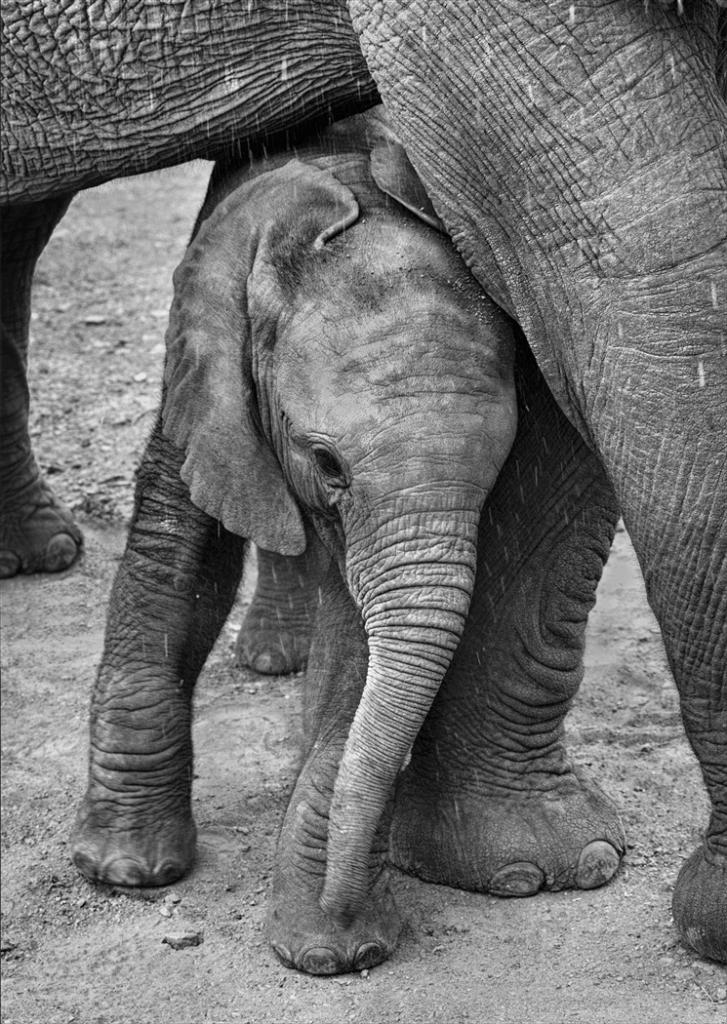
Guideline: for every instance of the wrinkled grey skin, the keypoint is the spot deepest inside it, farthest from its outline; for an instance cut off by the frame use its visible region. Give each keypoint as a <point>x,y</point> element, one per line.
<point>608,244</point>
<point>332,370</point>
<point>94,91</point>
<point>275,635</point>
<point>577,158</point>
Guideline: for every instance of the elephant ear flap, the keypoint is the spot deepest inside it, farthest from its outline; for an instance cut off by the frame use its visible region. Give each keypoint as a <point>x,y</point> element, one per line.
<point>208,405</point>
<point>393,173</point>
<point>227,299</point>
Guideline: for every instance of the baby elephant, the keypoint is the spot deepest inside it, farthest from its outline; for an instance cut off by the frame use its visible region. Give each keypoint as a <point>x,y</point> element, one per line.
<point>333,372</point>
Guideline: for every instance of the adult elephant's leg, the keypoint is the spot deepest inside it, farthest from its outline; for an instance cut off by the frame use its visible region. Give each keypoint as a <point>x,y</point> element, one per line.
<point>173,591</point>
<point>490,800</point>
<point>668,459</point>
<point>301,934</point>
<point>276,633</point>
<point>37,533</point>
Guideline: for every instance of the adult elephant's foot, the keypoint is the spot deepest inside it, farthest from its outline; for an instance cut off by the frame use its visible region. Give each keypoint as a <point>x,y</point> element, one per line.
<point>135,850</point>
<point>508,843</point>
<point>37,532</point>
<point>305,938</point>
<point>699,903</point>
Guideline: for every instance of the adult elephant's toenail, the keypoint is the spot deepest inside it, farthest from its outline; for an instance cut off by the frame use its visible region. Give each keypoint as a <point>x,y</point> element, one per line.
<point>60,553</point>
<point>369,955</point>
<point>597,864</point>
<point>521,878</point>
<point>9,564</point>
<point>320,960</point>
<point>283,954</point>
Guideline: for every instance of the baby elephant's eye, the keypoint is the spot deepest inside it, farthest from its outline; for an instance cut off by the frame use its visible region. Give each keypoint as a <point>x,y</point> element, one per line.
<point>329,466</point>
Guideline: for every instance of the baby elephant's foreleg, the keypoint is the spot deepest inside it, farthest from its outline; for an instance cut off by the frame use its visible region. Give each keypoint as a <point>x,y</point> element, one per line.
<point>173,591</point>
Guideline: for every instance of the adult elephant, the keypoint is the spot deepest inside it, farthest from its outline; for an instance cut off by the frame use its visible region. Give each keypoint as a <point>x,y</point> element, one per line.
<point>93,92</point>
<point>576,155</point>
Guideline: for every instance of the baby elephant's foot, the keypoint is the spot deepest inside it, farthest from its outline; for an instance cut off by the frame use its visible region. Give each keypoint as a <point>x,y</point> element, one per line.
<point>508,843</point>
<point>142,850</point>
<point>306,938</point>
<point>699,903</point>
<point>272,646</point>
<point>275,637</point>
<point>37,534</point>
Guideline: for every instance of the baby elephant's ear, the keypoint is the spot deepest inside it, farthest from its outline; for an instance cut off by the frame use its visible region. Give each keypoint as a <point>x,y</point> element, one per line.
<point>394,174</point>
<point>210,409</point>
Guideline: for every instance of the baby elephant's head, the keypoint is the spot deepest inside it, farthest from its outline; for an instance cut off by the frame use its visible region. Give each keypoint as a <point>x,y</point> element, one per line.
<point>328,349</point>
<point>330,357</point>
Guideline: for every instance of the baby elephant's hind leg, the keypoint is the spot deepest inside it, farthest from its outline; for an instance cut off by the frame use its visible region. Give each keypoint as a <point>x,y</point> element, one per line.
<point>276,633</point>
<point>490,801</point>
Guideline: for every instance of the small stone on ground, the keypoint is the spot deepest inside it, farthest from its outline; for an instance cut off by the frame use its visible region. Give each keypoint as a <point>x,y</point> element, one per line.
<point>181,938</point>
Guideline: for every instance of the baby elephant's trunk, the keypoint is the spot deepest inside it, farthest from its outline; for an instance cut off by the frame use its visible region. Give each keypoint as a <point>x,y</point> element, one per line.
<point>414,611</point>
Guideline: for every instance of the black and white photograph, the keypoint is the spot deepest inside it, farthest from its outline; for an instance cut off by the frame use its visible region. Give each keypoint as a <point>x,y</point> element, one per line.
<point>363,511</point>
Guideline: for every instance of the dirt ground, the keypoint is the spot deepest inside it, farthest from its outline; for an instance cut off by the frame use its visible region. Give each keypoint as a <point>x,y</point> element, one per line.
<point>73,952</point>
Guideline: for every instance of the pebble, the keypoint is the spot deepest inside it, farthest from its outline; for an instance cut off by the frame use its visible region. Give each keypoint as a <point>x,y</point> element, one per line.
<point>184,937</point>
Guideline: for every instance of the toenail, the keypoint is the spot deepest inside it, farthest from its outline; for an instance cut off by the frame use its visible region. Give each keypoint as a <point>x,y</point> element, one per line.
<point>86,865</point>
<point>168,871</point>
<point>597,864</point>
<point>9,564</point>
<point>124,871</point>
<point>521,878</point>
<point>320,960</point>
<point>60,553</point>
<point>369,955</point>
<point>283,954</point>
<point>263,663</point>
